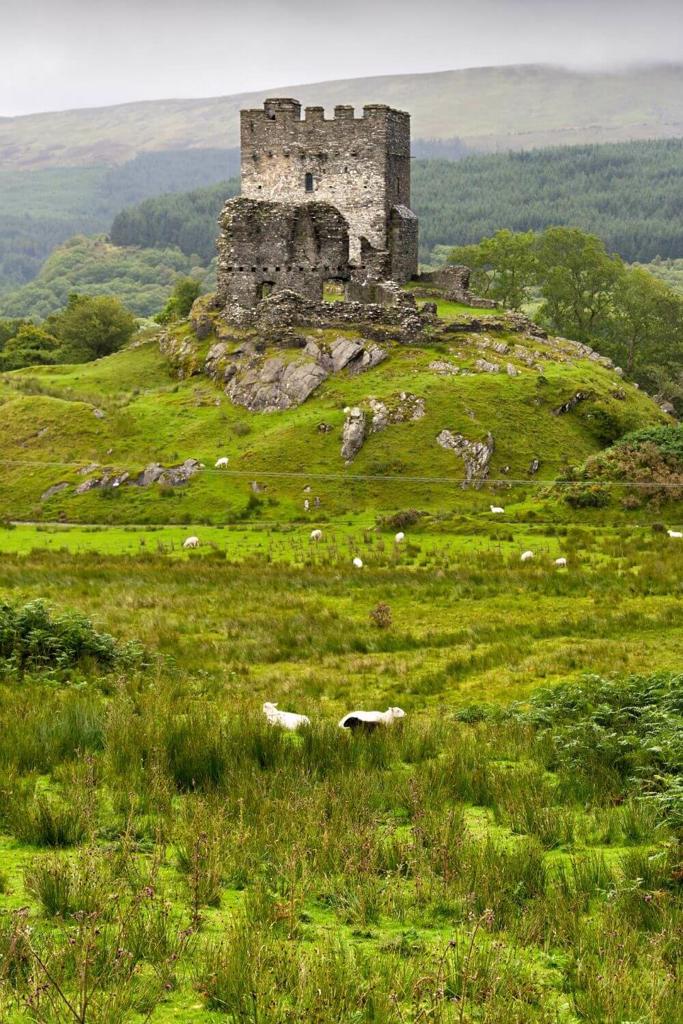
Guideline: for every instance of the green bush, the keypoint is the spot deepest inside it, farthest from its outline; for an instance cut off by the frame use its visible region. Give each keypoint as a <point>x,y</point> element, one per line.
<point>31,637</point>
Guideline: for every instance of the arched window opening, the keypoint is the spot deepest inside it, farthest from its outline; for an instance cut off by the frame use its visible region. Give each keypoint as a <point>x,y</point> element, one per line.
<point>308,182</point>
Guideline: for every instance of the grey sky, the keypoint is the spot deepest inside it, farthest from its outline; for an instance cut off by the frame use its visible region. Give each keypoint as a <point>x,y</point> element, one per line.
<point>56,54</point>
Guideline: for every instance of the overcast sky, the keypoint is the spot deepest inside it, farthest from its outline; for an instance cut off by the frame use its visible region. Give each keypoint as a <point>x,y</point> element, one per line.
<point>56,54</point>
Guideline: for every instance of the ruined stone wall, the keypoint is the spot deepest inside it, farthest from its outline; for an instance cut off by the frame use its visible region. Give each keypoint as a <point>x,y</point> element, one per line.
<point>360,165</point>
<point>453,282</point>
<point>267,247</point>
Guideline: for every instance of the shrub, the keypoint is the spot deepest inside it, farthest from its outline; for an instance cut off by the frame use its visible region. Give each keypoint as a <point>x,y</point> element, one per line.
<point>32,637</point>
<point>381,615</point>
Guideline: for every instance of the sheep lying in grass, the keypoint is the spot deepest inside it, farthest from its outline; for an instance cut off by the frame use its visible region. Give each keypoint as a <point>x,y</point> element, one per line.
<point>285,719</point>
<point>560,561</point>
<point>358,562</point>
<point>368,721</point>
<point>316,535</point>
<point>222,463</point>
<point>675,533</point>
<point>496,509</point>
<point>191,542</point>
<point>526,556</point>
<point>400,537</point>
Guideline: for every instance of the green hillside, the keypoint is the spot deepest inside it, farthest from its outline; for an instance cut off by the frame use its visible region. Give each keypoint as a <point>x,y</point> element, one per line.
<point>491,108</point>
<point>63,425</point>
<point>40,209</point>
<point>140,278</point>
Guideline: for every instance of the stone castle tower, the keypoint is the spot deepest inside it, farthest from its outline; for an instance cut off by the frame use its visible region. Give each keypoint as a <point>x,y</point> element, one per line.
<point>359,165</point>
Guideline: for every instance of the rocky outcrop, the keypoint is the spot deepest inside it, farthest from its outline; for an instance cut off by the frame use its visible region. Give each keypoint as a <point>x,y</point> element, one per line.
<point>353,433</point>
<point>399,410</point>
<point>444,368</point>
<point>155,473</point>
<point>203,315</point>
<point>380,415</point>
<point>271,385</point>
<point>475,454</point>
<point>171,476</point>
<point>571,403</point>
<point>182,354</point>
<point>484,366</point>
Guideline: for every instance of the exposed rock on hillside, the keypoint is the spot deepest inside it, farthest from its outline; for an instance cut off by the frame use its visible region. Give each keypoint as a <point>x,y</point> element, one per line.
<point>475,454</point>
<point>403,408</point>
<point>171,476</point>
<point>444,368</point>
<point>271,385</point>
<point>353,433</point>
<point>400,409</point>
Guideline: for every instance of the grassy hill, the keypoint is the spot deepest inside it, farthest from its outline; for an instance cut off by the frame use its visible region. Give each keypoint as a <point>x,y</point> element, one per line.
<point>121,413</point>
<point>490,108</point>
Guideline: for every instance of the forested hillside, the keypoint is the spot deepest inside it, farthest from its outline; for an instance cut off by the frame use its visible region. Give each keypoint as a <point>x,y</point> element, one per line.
<point>630,194</point>
<point>140,278</point>
<point>41,209</point>
<point>188,221</point>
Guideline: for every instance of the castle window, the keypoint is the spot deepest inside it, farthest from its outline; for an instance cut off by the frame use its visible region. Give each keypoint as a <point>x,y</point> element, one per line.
<point>308,182</point>
<point>267,289</point>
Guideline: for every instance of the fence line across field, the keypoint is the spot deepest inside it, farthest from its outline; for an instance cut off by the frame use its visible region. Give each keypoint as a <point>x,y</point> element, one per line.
<point>350,477</point>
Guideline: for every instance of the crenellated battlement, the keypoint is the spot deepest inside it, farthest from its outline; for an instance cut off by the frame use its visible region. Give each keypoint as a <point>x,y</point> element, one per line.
<point>283,110</point>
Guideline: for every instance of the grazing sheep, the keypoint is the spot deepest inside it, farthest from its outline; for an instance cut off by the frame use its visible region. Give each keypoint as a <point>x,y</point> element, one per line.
<point>191,542</point>
<point>368,721</point>
<point>526,556</point>
<point>222,463</point>
<point>358,562</point>
<point>307,505</point>
<point>675,533</point>
<point>560,561</point>
<point>496,509</point>
<point>316,535</point>
<point>400,537</point>
<point>285,719</point>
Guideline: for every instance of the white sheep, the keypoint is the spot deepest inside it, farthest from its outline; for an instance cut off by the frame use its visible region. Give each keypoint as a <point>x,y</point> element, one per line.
<point>400,537</point>
<point>675,533</point>
<point>370,720</point>
<point>285,719</point>
<point>496,509</point>
<point>307,505</point>
<point>191,542</point>
<point>316,535</point>
<point>222,463</point>
<point>526,556</point>
<point>358,562</point>
<point>560,562</point>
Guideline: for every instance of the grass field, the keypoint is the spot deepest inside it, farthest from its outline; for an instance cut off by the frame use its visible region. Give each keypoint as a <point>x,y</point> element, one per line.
<point>509,851</point>
<point>167,856</point>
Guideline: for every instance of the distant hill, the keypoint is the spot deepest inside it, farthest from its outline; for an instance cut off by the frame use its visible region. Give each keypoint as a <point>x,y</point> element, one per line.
<point>489,109</point>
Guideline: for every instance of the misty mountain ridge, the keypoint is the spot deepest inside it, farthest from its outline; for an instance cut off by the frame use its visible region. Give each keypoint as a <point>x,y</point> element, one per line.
<point>488,109</point>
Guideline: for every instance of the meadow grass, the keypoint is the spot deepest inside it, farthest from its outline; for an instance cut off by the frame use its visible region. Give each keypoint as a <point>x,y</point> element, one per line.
<point>167,855</point>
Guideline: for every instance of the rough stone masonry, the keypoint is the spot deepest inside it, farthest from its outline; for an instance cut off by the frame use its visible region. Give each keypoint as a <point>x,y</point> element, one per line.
<point>322,199</point>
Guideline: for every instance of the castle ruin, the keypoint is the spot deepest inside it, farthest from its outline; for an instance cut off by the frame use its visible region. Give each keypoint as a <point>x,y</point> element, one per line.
<point>322,200</point>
